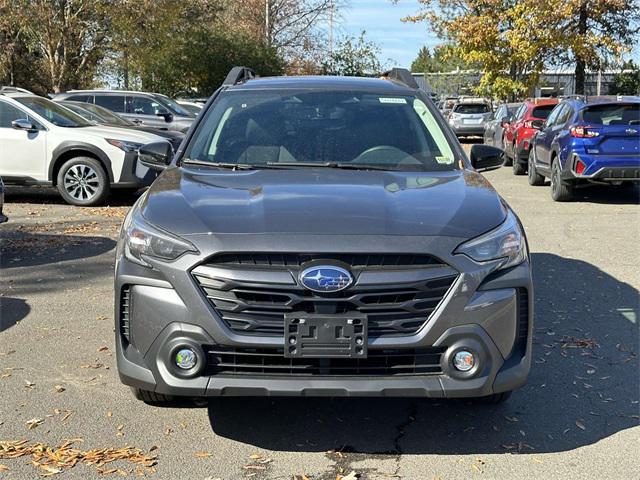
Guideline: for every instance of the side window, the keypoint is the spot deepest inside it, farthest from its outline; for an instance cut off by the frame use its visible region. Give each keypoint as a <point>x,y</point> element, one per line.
<point>553,116</point>
<point>9,113</point>
<point>520,113</point>
<point>143,105</point>
<point>564,115</point>
<point>80,98</point>
<point>115,103</point>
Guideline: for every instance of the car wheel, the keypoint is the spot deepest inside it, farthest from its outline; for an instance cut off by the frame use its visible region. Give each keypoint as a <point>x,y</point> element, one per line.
<point>151,397</point>
<point>493,399</point>
<point>83,181</point>
<point>535,179</point>
<point>561,191</point>
<point>518,167</point>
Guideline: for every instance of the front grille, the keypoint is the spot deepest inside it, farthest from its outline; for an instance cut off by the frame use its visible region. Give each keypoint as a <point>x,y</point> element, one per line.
<point>125,311</point>
<point>258,307</point>
<point>362,260</point>
<point>271,361</point>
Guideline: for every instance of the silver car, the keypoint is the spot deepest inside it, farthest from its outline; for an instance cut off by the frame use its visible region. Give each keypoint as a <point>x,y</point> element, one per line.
<point>469,117</point>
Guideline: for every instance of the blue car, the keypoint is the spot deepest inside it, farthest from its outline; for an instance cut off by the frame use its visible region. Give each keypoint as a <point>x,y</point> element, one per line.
<point>586,142</point>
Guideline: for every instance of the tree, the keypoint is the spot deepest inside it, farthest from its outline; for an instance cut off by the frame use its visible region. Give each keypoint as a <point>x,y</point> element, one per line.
<point>509,40</point>
<point>596,32</point>
<point>423,62</point>
<point>354,56</point>
<point>444,59</point>
<point>627,82</point>
<point>70,36</point>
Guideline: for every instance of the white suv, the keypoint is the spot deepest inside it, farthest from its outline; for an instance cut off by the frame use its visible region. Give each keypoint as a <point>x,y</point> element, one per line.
<point>44,143</point>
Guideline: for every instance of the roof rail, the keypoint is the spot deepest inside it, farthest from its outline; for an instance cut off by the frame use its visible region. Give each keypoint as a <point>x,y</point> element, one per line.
<point>12,89</point>
<point>401,75</point>
<point>239,75</point>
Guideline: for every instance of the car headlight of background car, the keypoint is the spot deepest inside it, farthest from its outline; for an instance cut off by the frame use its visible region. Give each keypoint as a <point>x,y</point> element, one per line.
<point>506,242</point>
<point>144,240</point>
<point>124,145</point>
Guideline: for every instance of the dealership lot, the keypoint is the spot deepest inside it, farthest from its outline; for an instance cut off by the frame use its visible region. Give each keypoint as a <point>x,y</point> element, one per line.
<point>58,378</point>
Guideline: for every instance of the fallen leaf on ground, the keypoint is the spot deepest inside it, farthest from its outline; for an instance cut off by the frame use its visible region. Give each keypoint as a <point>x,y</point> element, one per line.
<point>28,384</point>
<point>3,468</point>
<point>34,422</point>
<point>59,388</point>
<point>204,454</point>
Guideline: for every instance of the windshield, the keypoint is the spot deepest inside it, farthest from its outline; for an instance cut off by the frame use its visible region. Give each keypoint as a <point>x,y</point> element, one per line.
<point>353,129</point>
<point>107,116</point>
<point>173,106</point>
<point>613,114</point>
<point>472,108</point>
<point>53,112</point>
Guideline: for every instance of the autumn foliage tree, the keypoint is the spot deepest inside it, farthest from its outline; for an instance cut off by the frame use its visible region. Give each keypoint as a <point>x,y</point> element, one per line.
<point>511,41</point>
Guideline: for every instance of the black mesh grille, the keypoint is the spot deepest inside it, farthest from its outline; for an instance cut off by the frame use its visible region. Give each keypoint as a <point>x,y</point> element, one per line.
<point>260,308</point>
<point>271,361</point>
<point>522,332</point>
<point>125,311</point>
<point>362,260</point>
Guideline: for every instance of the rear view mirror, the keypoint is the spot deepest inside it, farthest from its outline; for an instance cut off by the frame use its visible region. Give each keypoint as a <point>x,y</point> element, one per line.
<point>156,155</point>
<point>24,124</point>
<point>484,157</point>
<point>161,112</point>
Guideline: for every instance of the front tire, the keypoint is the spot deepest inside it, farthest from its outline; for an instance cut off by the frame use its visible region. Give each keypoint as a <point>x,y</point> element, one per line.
<point>83,181</point>
<point>493,399</point>
<point>534,178</point>
<point>151,398</point>
<point>561,191</point>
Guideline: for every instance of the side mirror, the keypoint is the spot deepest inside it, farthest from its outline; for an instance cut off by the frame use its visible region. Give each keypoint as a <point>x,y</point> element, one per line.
<point>156,155</point>
<point>505,121</point>
<point>161,112</point>
<point>24,124</point>
<point>484,157</point>
<point>537,124</point>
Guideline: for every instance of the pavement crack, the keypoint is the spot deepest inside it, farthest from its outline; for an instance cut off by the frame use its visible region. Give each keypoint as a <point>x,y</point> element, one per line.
<point>401,430</point>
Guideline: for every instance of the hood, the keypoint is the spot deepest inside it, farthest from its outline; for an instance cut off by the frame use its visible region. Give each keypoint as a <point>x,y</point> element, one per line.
<point>121,133</point>
<point>323,201</point>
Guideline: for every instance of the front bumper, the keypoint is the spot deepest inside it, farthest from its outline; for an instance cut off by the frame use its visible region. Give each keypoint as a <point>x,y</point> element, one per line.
<point>483,311</point>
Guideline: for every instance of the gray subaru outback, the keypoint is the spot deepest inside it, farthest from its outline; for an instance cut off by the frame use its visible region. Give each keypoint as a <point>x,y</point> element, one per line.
<point>322,236</point>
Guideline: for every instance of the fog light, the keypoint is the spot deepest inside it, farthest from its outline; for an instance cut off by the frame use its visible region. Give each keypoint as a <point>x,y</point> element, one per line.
<point>186,359</point>
<point>464,361</point>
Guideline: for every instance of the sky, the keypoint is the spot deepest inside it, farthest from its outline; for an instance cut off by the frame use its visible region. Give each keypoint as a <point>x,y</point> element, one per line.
<point>398,41</point>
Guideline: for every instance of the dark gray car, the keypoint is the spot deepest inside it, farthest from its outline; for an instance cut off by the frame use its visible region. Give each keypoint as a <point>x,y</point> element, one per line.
<point>322,236</point>
<point>494,128</point>
<point>143,108</point>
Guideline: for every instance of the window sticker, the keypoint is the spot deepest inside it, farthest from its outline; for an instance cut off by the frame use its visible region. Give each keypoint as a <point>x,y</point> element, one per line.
<point>396,100</point>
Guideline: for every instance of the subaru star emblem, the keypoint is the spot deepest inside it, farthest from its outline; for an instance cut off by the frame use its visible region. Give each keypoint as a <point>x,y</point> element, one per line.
<point>325,278</point>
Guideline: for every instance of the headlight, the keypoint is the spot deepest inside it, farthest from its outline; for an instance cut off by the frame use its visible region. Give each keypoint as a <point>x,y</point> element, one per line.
<point>124,145</point>
<point>144,240</point>
<point>505,242</point>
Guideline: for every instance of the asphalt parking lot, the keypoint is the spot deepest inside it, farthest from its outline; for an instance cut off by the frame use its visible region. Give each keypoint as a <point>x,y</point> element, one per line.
<point>576,418</point>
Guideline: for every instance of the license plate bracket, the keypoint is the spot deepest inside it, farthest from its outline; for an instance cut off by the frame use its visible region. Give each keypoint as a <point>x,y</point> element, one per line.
<point>312,335</point>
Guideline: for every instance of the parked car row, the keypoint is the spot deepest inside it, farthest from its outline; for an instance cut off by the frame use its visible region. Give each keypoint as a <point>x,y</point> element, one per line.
<point>574,142</point>
<point>45,143</point>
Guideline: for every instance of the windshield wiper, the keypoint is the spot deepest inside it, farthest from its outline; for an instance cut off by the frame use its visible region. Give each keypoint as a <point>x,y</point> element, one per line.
<point>345,166</point>
<point>231,166</point>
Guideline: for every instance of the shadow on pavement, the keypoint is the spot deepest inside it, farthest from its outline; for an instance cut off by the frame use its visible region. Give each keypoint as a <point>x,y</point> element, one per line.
<point>12,310</point>
<point>49,195</point>
<point>620,195</point>
<point>22,249</point>
<point>583,387</point>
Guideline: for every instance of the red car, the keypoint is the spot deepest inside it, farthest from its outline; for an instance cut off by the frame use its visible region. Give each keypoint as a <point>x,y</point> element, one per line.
<point>519,132</point>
